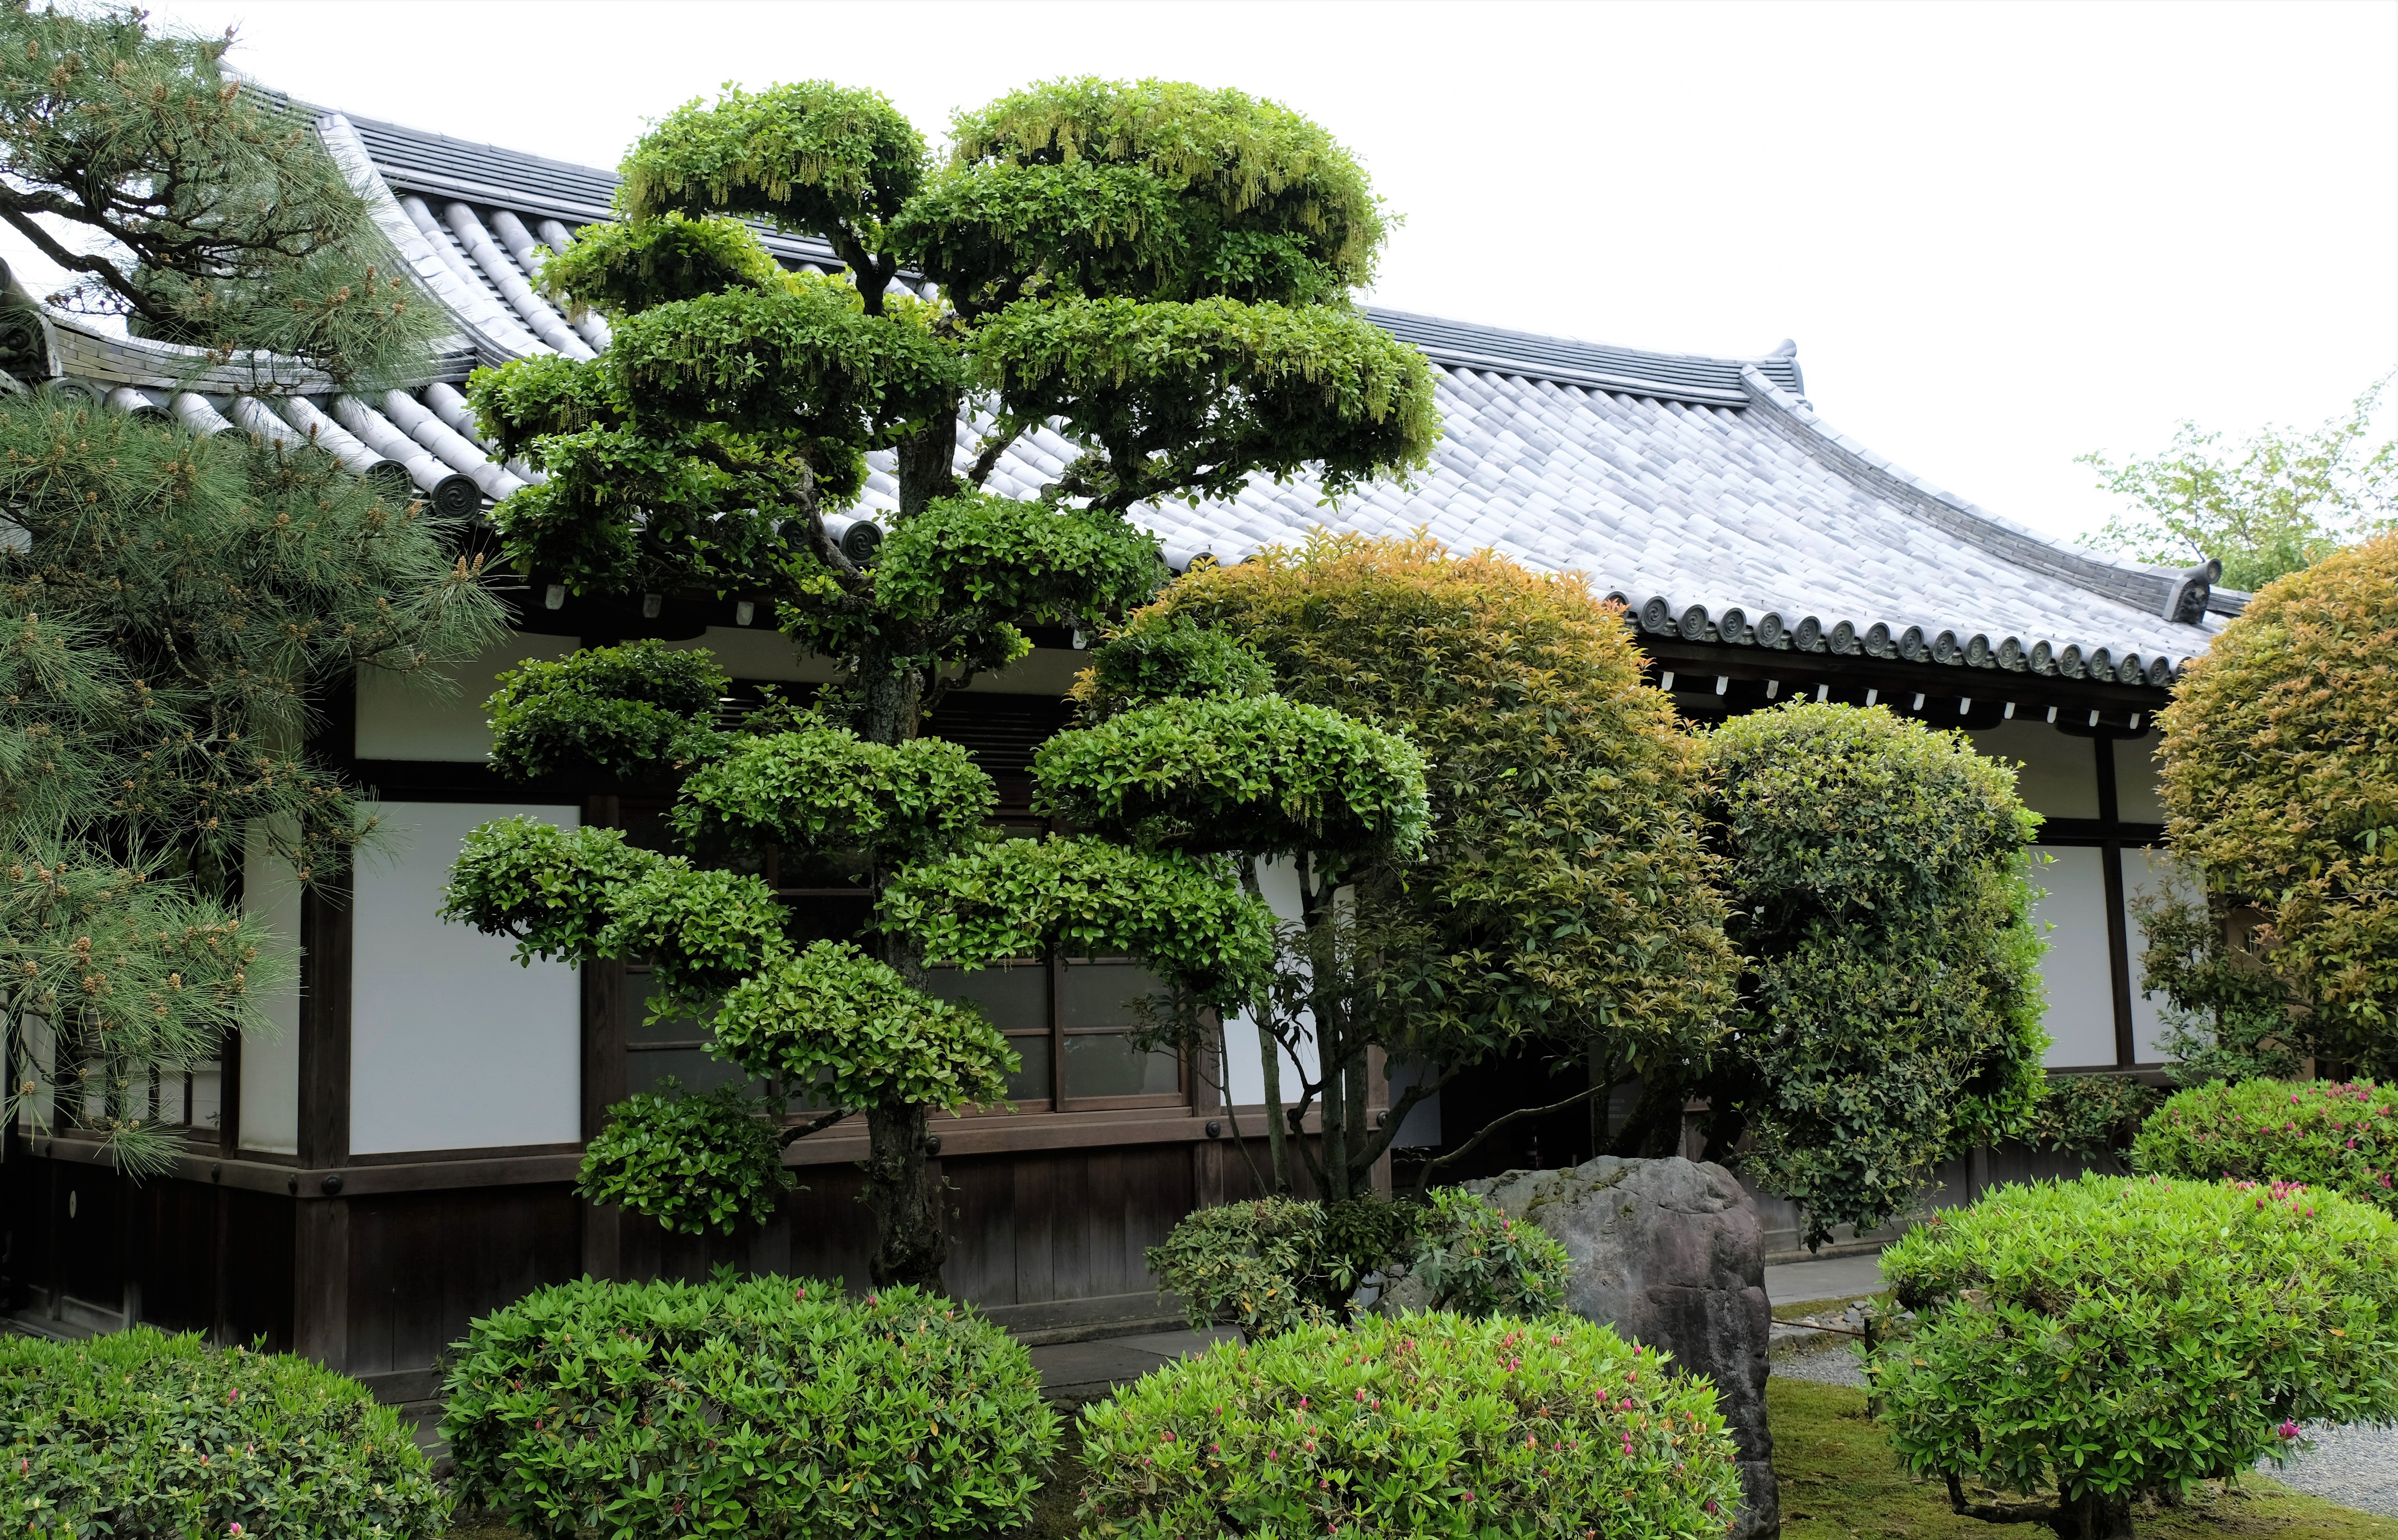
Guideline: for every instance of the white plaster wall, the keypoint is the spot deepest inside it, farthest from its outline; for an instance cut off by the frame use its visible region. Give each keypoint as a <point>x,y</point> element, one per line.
<point>760,652</point>
<point>2147,871</point>
<point>2135,780</point>
<point>270,1061</point>
<point>2057,774</point>
<point>452,1046</point>
<point>399,718</point>
<point>1244,1044</point>
<point>2078,981</point>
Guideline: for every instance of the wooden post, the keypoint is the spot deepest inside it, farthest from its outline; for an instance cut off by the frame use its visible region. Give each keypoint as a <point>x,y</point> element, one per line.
<point>2111,865</point>
<point>603,1077</point>
<point>320,1284</point>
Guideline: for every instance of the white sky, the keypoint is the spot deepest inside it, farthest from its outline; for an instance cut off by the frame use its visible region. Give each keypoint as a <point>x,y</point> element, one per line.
<point>2002,235</point>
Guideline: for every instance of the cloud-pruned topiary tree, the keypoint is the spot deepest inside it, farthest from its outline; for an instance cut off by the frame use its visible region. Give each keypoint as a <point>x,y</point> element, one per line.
<point>1891,1008</point>
<point>2281,790</point>
<point>1159,272</point>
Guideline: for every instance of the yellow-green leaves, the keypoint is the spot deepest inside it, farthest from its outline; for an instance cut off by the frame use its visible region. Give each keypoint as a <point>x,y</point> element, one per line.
<point>692,1163</point>
<point>625,267</point>
<point>812,158</point>
<point>979,556</point>
<point>2280,768</point>
<point>1197,397</point>
<point>639,712</point>
<point>1243,197</point>
<point>1260,776</point>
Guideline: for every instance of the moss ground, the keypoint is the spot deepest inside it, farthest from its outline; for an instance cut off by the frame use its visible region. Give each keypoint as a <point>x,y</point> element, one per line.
<point>1839,1481</point>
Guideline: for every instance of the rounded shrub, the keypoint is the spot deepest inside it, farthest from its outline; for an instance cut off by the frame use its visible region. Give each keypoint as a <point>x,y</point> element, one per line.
<point>1419,1425</point>
<point>2335,1136</point>
<point>137,1433</point>
<point>2085,1343</point>
<point>763,1406</point>
<point>1470,1258</point>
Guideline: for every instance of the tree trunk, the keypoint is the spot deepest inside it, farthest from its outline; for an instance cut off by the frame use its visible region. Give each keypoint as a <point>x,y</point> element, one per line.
<point>2094,1515</point>
<point>1277,1133</point>
<point>910,1237</point>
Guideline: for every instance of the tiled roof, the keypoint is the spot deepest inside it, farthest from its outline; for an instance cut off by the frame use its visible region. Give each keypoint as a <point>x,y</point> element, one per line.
<point>1705,492</point>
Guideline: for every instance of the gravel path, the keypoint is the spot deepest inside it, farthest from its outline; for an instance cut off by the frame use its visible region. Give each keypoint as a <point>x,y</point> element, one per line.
<point>2356,1467</point>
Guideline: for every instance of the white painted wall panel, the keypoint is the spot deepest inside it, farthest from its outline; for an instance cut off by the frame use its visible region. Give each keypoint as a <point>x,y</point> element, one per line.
<point>2146,872</point>
<point>452,1046</point>
<point>270,1062</point>
<point>2057,774</point>
<point>2135,780</point>
<point>2079,980</point>
<point>400,720</point>
<point>1244,1044</point>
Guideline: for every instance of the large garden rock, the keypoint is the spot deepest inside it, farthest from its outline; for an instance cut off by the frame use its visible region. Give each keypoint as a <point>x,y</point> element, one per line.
<point>1669,1252</point>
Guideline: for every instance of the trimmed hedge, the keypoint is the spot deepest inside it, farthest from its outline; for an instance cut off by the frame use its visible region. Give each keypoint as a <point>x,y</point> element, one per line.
<point>2339,1137</point>
<point>139,1434</point>
<point>1419,1426</point>
<point>752,1407</point>
<point>2117,1337</point>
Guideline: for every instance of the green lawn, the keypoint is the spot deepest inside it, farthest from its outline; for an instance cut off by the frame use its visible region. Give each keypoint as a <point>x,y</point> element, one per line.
<point>1838,1481</point>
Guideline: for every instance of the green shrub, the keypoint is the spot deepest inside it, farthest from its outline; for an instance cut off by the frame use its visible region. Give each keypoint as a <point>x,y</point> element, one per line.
<point>2337,1136</point>
<point>2089,1116</point>
<point>1272,1264</point>
<point>2117,1337</point>
<point>1419,1425</point>
<point>693,1163</point>
<point>764,1406</point>
<point>1476,1260</point>
<point>613,713</point>
<point>140,1434</point>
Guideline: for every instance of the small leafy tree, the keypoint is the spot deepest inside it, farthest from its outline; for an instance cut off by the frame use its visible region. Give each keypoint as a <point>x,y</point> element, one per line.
<point>1561,896</point>
<point>220,219</point>
<point>1891,1007</point>
<point>2281,789</point>
<point>1160,272</point>
<point>2270,507</point>
<point>2080,1346</point>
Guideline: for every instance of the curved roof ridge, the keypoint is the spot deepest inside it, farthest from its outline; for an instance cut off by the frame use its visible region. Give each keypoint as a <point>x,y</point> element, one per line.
<point>1600,365</point>
<point>2135,582</point>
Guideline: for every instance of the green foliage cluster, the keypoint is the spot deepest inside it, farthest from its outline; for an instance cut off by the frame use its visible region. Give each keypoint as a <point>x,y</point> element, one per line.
<point>1431,1424</point>
<point>228,225</point>
<point>2333,1137</point>
<point>2281,786</point>
<point>1891,1007</point>
<point>1272,1264</point>
<point>1258,774</point>
<point>2091,1116</point>
<point>170,607</point>
<point>1472,1259</point>
<point>2226,1016</point>
<point>605,713</point>
<point>2264,509</point>
<point>757,1406</point>
<point>692,1163</point>
<point>827,789</point>
<point>1082,896</point>
<point>1175,659</point>
<point>871,1039</point>
<point>2116,1337</point>
<point>137,1432</point>
<point>1162,188</point>
<point>1566,895</point>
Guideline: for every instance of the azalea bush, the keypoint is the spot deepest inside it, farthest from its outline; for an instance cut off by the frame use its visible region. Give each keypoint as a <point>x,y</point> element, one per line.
<point>2081,1344</point>
<point>759,1406</point>
<point>139,1434</point>
<point>2332,1136</point>
<point>1423,1425</point>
